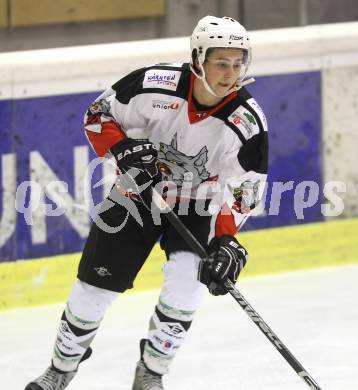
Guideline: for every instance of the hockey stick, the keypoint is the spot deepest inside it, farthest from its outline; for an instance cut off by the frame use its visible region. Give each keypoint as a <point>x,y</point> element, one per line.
<point>235,293</point>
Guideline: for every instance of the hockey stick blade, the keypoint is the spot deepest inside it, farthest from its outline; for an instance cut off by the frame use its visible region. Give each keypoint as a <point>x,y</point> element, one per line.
<point>235,293</point>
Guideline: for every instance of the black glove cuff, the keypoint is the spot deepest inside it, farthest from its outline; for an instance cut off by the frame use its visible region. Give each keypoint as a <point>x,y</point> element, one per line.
<point>130,150</point>
<point>217,242</point>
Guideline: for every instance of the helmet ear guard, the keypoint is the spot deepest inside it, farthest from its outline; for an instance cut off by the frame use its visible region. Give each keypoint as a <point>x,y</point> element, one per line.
<point>213,32</point>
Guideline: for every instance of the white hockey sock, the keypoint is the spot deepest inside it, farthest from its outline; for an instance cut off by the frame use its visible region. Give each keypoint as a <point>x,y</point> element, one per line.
<point>180,297</point>
<point>165,336</point>
<point>79,324</point>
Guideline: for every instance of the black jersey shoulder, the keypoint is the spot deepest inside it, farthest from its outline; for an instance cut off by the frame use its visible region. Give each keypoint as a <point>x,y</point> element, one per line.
<point>168,79</point>
<point>253,155</point>
<point>237,108</point>
<point>242,96</point>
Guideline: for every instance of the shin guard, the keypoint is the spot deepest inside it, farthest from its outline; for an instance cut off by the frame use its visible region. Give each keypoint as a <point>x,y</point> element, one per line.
<point>73,339</point>
<point>83,314</point>
<point>166,334</point>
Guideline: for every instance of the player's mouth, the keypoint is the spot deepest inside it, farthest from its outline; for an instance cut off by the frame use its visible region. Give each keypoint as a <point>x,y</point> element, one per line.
<point>225,85</point>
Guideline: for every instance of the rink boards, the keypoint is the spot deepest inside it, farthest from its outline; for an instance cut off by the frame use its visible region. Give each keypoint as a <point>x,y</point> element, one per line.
<point>47,280</point>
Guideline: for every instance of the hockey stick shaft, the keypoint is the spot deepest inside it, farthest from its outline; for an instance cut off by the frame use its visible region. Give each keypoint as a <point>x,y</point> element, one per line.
<point>271,335</point>
<point>235,293</point>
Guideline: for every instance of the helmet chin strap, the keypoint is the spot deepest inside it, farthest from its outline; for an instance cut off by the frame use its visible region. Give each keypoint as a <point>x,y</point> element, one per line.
<point>203,79</point>
<point>236,86</point>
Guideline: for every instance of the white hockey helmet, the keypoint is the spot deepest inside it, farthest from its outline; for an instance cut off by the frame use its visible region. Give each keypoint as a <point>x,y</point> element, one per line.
<point>213,32</point>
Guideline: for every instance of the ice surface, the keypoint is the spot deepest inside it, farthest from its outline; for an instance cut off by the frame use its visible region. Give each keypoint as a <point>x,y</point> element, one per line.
<point>315,313</point>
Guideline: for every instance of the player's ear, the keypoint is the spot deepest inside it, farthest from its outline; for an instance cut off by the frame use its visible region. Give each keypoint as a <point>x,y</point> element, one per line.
<point>197,67</point>
<point>195,60</point>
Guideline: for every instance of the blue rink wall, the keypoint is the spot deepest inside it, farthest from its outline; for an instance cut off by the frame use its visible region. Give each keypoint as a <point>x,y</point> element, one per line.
<point>52,127</point>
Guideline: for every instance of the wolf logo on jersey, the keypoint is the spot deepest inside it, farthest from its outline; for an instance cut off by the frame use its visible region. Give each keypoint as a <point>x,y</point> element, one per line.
<point>177,166</point>
<point>246,196</point>
<point>98,112</point>
<point>101,106</point>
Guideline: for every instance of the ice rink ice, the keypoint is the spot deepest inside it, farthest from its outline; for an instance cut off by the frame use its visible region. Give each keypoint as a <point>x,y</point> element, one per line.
<point>315,313</point>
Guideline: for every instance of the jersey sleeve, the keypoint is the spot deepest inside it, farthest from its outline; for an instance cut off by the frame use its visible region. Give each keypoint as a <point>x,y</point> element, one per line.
<point>113,113</point>
<point>243,172</point>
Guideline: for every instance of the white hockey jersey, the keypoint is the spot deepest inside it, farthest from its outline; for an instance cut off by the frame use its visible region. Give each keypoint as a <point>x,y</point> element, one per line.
<point>220,153</point>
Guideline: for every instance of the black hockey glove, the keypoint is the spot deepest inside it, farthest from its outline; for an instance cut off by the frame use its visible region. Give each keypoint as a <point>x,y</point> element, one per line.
<point>226,260</point>
<point>137,161</point>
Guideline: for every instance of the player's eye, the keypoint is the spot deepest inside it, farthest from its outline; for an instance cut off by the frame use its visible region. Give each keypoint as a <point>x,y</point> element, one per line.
<point>222,64</point>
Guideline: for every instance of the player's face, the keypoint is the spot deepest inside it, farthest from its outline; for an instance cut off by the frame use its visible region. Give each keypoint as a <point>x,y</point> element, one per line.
<point>222,69</point>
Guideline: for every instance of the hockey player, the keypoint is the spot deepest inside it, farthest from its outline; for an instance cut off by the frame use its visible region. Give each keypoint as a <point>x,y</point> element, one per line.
<point>196,127</point>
